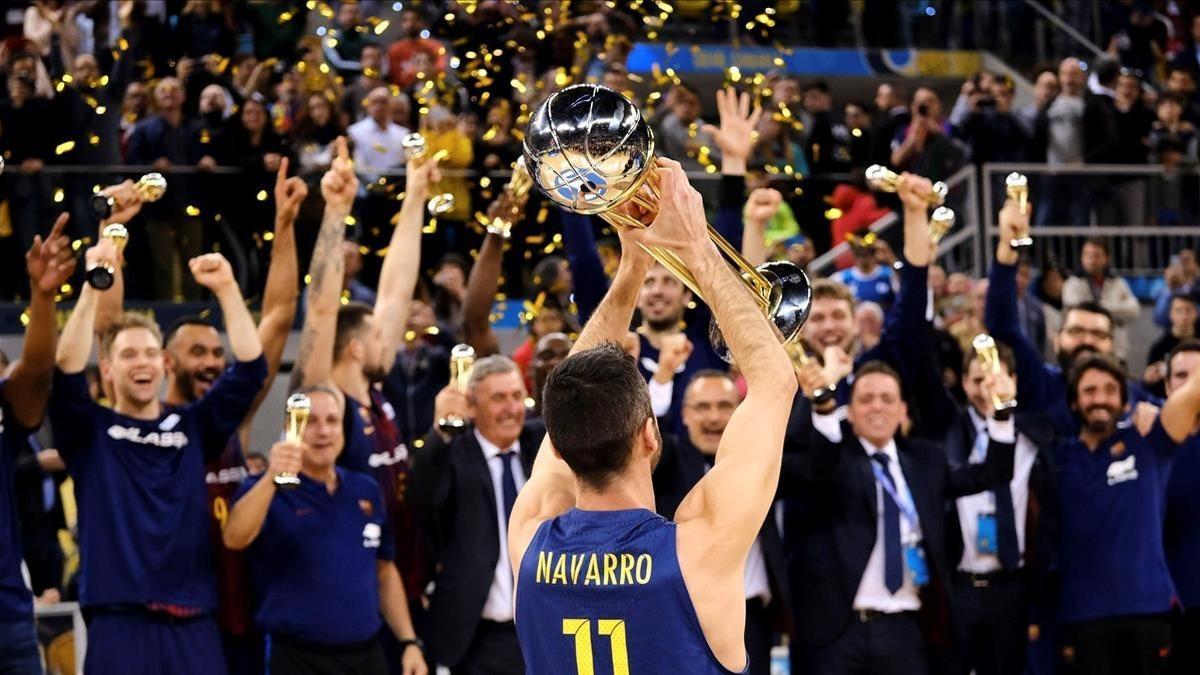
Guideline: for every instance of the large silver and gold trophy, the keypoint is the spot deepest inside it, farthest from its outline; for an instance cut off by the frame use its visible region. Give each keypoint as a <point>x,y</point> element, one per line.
<point>590,151</point>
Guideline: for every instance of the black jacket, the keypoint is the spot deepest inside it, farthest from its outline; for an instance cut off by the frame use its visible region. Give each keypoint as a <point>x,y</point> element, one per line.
<point>1100,143</point>
<point>833,533</point>
<point>450,484</point>
<point>678,471</point>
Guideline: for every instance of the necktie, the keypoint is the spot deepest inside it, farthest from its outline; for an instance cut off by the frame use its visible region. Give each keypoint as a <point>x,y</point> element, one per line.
<point>893,558</point>
<point>1007,548</point>
<point>508,484</point>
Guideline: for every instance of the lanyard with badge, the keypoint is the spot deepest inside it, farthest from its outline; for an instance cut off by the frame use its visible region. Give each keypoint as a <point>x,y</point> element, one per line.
<point>914,555</point>
<point>987,530</point>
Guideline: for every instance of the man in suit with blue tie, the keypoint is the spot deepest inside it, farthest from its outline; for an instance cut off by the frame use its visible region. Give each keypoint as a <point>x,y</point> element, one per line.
<point>875,568</point>
<point>1002,540</point>
<point>466,486</point>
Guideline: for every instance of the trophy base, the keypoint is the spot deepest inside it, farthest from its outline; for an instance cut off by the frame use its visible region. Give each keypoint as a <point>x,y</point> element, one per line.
<point>823,396</point>
<point>287,481</point>
<point>1021,243</point>
<point>100,277</point>
<point>451,426</point>
<point>791,300</point>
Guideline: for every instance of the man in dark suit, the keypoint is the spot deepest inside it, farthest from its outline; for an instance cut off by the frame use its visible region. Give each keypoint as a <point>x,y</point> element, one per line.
<point>1000,541</point>
<point>710,399</point>
<point>466,486</point>
<point>873,570</point>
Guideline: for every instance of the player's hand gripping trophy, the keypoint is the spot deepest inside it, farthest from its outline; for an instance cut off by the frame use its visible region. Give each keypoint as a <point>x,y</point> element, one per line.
<point>148,188</point>
<point>883,179</point>
<point>1016,187</point>
<point>511,202</point>
<point>590,151</point>
<point>462,360</point>
<point>102,275</point>
<point>298,409</point>
<point>989,360</point>
<point>416,148</point>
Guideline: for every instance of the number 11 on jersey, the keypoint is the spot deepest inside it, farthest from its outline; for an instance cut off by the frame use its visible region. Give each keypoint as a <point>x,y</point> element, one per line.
<point>581,629</point>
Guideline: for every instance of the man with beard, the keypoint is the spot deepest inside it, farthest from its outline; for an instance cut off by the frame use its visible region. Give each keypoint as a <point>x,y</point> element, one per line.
<point>352,347</point>
<point>1086,327</point>
<point>195,358</point>
<point>472,605</point>
<point>548,353</point>
<point>1115,587</point>
<point>147,581</point>
<point>1182,532</point>
<point>708,403</point>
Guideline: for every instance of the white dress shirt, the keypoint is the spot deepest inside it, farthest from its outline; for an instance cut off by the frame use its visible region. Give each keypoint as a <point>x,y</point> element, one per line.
<point>873,593</point>
<point>377,149</point>
<point>499,604</point>
<point>971,506</point>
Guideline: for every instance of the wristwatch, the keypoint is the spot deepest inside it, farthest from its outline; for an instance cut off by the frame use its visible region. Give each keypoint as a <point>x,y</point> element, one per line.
<point>413,642</point>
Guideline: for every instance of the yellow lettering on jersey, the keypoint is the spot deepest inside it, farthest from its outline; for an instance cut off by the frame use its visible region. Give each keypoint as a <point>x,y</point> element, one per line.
<point>615,630</point>
<point>610,569</point>
<point>643,570</point>
<point>626,569</point>
<point>593,572</point>
<point>581,629</point>
<point>560,571</point>
<point>576,566</point>
<point>543,567</point>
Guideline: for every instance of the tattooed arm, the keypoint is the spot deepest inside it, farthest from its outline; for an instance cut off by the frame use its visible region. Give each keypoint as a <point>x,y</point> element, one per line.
<point>314,361</point>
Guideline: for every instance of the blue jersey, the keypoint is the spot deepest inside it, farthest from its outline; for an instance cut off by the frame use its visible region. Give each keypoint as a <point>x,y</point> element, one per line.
<point>1111,558</point>
<point>1182,532</point>
<point>313,565</point>
<point>140,485</point>
<point>874,287</point>
<point>16,601</point>
<point>600,592</point>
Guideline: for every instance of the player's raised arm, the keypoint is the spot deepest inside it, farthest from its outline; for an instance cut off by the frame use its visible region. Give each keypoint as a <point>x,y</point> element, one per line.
<point>314,360</point>
<point>741,486</point>
<point>213,272</point>
<point>552,486</point>
<point>75,343</point>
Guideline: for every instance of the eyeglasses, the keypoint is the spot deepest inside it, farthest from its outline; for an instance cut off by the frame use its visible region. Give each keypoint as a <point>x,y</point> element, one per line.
<point>1095,334</point>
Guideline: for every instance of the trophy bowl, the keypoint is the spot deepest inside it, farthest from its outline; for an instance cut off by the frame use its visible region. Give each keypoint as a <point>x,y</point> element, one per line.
<point>589,150</point>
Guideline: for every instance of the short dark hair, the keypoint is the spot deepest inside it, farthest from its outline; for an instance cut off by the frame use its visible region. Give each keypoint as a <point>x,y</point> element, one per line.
<point>1178,68</point>
<point>350,319</point>
<point>707,374</point>
<point>816,85</point>
<point>1188,345</point>
<point>1094,361</point>
<point>1097,242</point>
<point>1170,97</point>
<point>189,320</point>
<point>1090,307</point>
<point>594,404</point>
<point>876,367</point>
<point>1002,350</point>
<point>457,261</point>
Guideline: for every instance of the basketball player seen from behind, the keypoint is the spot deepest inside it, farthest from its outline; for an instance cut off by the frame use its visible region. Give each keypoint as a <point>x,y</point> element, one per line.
<point>603,583</point>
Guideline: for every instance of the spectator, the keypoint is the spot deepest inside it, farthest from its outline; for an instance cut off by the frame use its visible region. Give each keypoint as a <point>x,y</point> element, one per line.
<point>1182,83</point>
<point>1142,43</point>
<point>315,74</point>
<point>1075,126</point>
<point>868,280</point>
<point>368,79</point>
<point>1183,318</point>
<point>1188,58</point>
<point>442,135</point>
<point>925,147</point>
<point>414,52</point>
<point>313,139</point>
<point>472,608</point>
<point>206,27</point>
<point>1125,202</point>
<point>991,129</point>
<point>1170,126</point>
<point>680,130</point>
<point>892,115</point>
<point>346,41</point>
<point>819,146</point>
<point>868,321</point>
<point>287,102</point>
<point>1112,483</point>
<point>1045,88</point>
<point>778,146</point>
<point>852,137</point>
<point>377,140</point>
<point>497,148</point>
<point>542,320</point>
<point>134,108</point>
<point>1179,277</point>
<point>27,125</point>
<point>1095,282</point>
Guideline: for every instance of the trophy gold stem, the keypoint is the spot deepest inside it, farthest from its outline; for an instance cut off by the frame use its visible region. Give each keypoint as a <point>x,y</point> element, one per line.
<point>670,260</point>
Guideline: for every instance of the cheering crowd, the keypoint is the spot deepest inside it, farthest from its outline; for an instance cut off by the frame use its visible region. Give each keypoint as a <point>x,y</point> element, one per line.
<point>922,524</point>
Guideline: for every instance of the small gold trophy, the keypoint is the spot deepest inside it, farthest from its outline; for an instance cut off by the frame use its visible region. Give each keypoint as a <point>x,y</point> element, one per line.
<point>989,360</point>
<point>1016,186</point>
<point>102,275</point>
<point>512,200</point>
<point>883,179</point>
<point>940,223</point>
<point>800,358</point>
<point>462,359</point>
<point>150,187</point>
<point>299,407</point>
<point>416,147</point>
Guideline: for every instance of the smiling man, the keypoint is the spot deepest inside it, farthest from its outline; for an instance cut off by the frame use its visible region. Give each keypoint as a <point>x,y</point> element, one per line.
<point>147,582</point>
